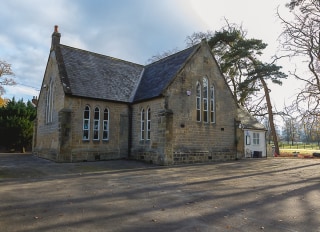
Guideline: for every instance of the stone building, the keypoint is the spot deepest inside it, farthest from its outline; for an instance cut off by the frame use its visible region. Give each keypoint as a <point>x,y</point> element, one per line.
<point>95,107</point>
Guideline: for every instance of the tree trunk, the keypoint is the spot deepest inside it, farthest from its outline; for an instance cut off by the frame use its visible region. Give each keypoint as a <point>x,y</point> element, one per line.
<point>270,113</point>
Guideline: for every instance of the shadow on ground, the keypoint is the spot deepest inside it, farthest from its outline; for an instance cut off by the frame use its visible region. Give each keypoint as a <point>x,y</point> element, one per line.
<point>122,195</point>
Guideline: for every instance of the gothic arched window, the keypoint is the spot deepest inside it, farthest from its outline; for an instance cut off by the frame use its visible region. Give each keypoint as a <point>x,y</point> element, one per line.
<point>86,123</point>
<point>205,100</point>
<point>105,135</point>
<point>96,123</point>
<point>198,101</point>
<point>212,105</point>
<point>142,124</point>
<point>148,124</point>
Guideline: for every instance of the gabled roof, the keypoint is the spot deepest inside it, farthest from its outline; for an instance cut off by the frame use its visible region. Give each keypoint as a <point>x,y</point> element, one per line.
<point>88,74</point>
<point>158,75</point>
<point>91,75</point>
<point>248,121</point>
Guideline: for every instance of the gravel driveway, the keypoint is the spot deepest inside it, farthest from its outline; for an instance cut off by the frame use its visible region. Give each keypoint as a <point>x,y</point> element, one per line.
<point>249,195</point>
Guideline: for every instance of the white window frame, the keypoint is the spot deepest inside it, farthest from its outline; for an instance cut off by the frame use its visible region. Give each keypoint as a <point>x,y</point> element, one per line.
<point>86,123</point>
<point>198,101</point>
<point>212,105</point>
<point>256,138</point>
<point>105,124</point>
<point>205,100</point>
<point>96,124</point>
<point>142,124</point>
<point>148,123</point>
<point>49,102</point>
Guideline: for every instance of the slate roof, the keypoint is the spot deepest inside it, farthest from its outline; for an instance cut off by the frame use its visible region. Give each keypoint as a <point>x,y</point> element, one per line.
<point>248,121</point>
<point>91,75</point>
<point>158,75</point>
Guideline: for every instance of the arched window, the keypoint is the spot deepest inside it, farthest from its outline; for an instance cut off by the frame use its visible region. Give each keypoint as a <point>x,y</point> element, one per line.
<point>198,101</point>
<point>205,100</point>
<point>105,124</point>
<point>148,124</point>
<point>49,102</point>
<point>142,124</point>
<point>212,105</point>
<point>96,123</point>
<point>86,123</point>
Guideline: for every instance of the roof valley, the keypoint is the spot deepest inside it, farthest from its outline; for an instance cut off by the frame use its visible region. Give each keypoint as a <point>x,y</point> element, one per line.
<point>97,76</point>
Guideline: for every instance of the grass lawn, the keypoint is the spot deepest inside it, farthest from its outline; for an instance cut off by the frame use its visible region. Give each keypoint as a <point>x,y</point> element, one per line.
<point>300,153</point>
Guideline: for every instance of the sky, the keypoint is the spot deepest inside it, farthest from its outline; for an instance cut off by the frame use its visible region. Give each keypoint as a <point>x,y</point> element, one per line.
<point>132,30</point>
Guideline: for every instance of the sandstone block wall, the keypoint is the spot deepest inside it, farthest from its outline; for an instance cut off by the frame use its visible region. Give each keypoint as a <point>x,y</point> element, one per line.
<point>46,142</point>
<point>176,136</point>
<point>115,147</point>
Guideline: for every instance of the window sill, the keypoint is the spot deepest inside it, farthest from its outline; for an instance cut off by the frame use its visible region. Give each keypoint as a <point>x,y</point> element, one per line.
<point>145,142</point>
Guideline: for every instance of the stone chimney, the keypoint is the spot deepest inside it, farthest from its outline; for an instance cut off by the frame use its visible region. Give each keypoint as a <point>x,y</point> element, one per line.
<point>55,38</point>
<point>35,101</point>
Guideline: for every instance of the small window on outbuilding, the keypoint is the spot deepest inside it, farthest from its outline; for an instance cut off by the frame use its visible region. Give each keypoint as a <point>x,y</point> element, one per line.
<point>248,140</point>
<point>255,139</point>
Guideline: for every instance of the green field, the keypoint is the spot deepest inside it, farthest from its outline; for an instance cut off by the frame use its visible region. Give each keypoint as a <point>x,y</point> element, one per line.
<point>309,146</point>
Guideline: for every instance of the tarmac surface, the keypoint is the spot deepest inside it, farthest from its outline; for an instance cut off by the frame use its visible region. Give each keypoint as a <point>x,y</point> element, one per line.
<point>271,194</point>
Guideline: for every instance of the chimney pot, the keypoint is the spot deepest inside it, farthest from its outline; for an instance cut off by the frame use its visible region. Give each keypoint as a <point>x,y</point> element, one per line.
<point>55,38</point>
<point>35,101</point>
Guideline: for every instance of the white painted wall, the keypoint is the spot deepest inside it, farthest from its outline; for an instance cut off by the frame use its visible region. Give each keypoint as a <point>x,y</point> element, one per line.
<point>250,142</point>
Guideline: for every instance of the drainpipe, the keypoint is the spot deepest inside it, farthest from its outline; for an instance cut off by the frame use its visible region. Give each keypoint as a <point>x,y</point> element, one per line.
<point>237,124</point>
<point>265,143</point>
<point>130,130</point>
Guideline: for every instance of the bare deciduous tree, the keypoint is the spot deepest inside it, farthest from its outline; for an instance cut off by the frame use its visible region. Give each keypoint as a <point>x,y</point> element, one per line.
<point>5,70</point>
<point>196,37</point>
<point>301,39</point>
<point>290,125</point>
<point>162,55</point>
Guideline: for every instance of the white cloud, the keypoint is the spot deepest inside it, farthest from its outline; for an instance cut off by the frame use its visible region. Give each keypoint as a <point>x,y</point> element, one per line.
<point>20,91</point>
<point>126,29</point>
<point>25,38</point>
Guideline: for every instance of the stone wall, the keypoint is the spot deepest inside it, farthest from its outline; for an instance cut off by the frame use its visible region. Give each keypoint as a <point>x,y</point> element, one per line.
<point>201,141</point>
<point>201,157</point>
<point>176,136</point>
<point>153,150</point>
<point>115,147</point>
<point>46,141</point>
<point>61,140</point>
